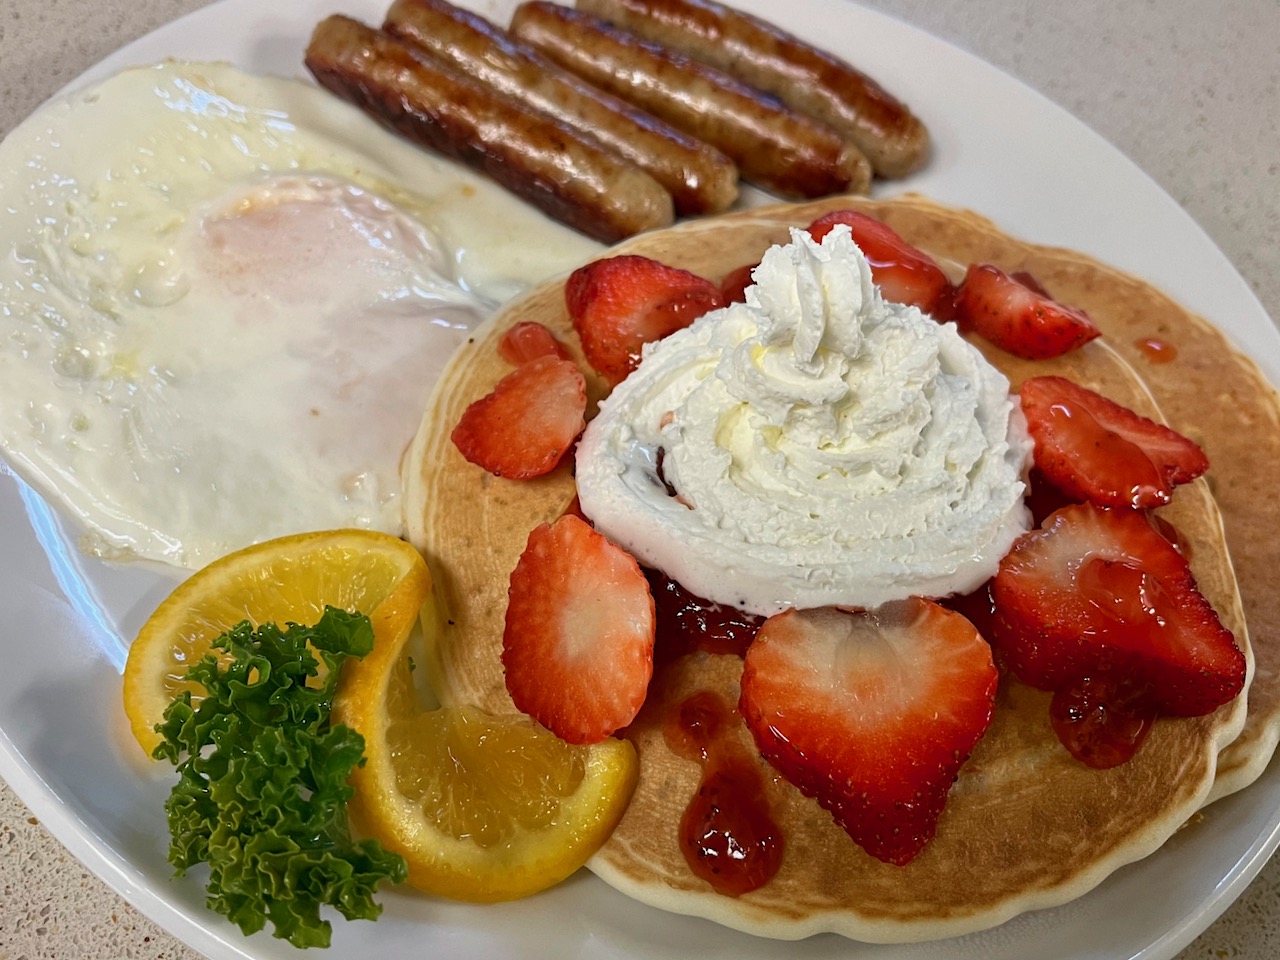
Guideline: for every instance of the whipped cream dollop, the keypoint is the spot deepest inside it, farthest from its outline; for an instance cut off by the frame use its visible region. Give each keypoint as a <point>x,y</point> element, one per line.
<point>814,445</point>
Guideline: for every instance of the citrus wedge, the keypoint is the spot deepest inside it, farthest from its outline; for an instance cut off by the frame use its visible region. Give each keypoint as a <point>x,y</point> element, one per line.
<point>286,580</point>
<point>483,808</point>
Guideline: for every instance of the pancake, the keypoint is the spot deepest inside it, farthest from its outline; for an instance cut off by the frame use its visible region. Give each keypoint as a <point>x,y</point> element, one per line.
<point>1026,826</point>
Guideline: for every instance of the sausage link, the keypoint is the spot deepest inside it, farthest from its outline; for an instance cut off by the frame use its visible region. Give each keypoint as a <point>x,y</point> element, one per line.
<point>808,79</point>
<point>774,146</point>
<point>551,165</point>
<point>700,178</point>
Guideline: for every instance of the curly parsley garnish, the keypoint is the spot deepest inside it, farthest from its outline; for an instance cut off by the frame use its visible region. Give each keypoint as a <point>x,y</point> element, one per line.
<point>262,789</point>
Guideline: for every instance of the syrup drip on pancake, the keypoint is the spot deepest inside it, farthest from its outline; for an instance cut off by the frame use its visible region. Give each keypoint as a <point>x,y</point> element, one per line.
<point>1156,350</point>
<point>687,623</point>
<point>1170,532</point>
<point>1043,498</point>
<point>1101,720</point>
<point>728,834</point>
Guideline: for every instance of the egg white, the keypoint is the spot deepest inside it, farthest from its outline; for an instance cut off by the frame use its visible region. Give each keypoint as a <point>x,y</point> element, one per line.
<point>224,300</point>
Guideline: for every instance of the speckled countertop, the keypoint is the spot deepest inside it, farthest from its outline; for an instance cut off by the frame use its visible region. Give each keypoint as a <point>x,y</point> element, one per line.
<point>1190,90</point>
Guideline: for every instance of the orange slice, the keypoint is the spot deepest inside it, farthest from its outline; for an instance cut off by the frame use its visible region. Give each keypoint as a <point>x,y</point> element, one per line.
<point>482,807</point>
<point>286,580</point>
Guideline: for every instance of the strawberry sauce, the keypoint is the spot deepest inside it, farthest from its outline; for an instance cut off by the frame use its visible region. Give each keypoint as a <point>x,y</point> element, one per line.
<point>687,623</point>
<point>1155,350</point>
<point>1102,722</point>
<point>1043,498</point>
<point>728,835</point>
<point>1172,534</point>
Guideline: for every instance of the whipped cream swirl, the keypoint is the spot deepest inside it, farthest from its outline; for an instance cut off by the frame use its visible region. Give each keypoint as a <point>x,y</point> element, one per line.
<point>814,445</point>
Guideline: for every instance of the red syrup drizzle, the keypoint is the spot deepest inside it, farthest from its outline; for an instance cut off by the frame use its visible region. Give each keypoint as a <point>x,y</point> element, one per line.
<point>1101,721</point>
<point>687,623</point>
<point>1172,534</point>
<point>728,834</point>
<point>978,607</point>
<point>1155,350</point>
<point>1043,498</point>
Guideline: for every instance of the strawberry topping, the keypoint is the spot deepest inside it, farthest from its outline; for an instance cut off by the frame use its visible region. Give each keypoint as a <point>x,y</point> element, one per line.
<point>1029,281</point>
<point>1043,497</point>
<point>687,623</point>
<point>1018,317</point>
<point>733,287</point>
<point>1091,448</point>
<point>728,833</point>
<point>621,303</point>
<point>1102,720</point>
<point>872,714</point>
<point>1101,593</point>
<point>976,606</point>
<point>529,340</point>
<point>578,645</point>
<point>903,273</point>
<point>526,424</point>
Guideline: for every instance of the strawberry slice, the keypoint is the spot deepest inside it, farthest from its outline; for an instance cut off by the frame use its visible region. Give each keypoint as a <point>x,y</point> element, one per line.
<point>526,424</point>
<point>1092,448</point>
<point>904,273</point>
<point>621,303</point>
<point>529,340</point>
<point>872,714</point>
<point>1098,592</point>
<point>578,643</point>
<point>1018,316</point>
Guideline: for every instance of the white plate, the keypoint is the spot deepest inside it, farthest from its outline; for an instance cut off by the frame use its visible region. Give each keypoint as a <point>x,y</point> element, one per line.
<point>63,743</point>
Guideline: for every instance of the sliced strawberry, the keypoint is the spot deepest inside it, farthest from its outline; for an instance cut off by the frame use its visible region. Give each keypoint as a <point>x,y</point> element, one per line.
<point>1100,592</point>
<point>621,303</point>
<point>1019,318</point>
<point>1092,448</point>
<point>526,424</point>
<point>529,340</point>
<point>872,714</point>
<point>904,273</point>
<point>578,643</point>
<point>733,286</point>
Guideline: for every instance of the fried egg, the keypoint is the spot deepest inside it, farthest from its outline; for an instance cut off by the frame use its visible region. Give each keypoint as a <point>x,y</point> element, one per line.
<point>224,300</point>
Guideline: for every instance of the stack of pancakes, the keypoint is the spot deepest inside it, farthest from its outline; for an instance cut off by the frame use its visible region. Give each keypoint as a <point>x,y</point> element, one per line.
<point>1026,825</point>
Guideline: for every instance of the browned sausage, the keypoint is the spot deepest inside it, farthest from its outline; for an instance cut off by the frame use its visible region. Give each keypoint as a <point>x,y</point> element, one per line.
<point>700,178</point>
<point>809,79</point>
<point>551,165</point>
<point>774,146</point>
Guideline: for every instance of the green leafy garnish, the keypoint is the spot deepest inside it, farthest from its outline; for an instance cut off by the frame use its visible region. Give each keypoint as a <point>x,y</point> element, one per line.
<point>262,789</point>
